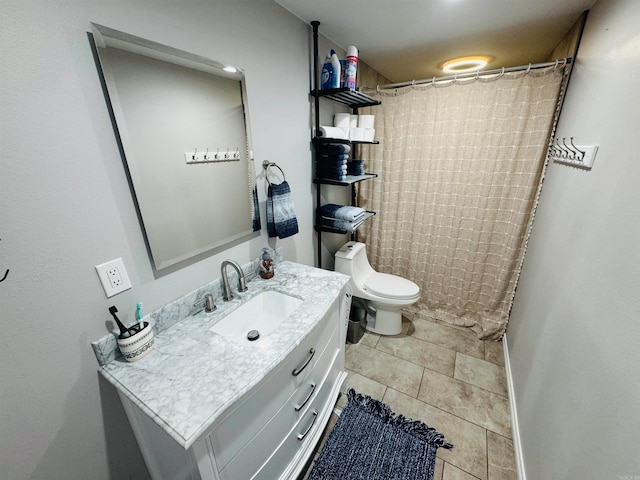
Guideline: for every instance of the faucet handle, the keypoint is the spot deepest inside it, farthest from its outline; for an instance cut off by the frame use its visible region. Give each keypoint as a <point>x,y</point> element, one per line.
<point>207,301</point>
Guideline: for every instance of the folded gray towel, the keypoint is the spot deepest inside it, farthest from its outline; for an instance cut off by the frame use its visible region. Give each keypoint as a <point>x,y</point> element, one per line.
<point>342,212</point>
<point>341,224</point>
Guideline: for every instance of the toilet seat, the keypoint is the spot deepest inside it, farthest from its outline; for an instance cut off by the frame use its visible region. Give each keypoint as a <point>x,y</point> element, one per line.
<point>389,286</point>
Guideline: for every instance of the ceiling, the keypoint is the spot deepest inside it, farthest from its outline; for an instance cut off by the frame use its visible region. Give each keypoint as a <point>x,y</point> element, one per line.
<point>409,39</point>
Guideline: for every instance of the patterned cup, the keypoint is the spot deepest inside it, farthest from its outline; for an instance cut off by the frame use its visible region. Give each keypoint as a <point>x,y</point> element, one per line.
<point>138,344</point>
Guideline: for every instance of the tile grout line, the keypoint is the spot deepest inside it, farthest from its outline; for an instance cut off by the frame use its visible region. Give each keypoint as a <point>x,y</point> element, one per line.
<point>486,436</point>
<point>444,411</point>
<point>454,369</point>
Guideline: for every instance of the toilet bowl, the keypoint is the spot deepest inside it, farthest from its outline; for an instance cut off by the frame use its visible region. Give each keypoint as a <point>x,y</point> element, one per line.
<point>388,294</point>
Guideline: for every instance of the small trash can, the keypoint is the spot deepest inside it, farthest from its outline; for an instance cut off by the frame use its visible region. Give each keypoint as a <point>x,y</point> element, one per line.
<point>357,320</point>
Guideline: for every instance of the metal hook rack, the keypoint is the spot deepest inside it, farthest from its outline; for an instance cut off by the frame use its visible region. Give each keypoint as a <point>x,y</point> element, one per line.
<point>226,155</point>
<point>572,154</point>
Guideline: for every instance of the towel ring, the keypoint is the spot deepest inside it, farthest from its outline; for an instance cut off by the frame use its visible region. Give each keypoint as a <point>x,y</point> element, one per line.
<point>266,164</point>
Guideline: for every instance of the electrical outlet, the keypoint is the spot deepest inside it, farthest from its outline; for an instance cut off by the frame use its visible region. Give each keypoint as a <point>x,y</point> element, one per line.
<point>113,277</point>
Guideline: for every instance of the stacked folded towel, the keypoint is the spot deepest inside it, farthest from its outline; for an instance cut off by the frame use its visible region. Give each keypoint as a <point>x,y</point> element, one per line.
<point>331,160</point>
<point>342,217</point>
<point>334,148</point>
<point>355,167</point>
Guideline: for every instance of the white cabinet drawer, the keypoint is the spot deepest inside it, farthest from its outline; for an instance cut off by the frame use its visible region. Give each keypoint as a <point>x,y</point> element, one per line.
<point>304,434</point>
<point>242,424</point>
<point>258,455</point>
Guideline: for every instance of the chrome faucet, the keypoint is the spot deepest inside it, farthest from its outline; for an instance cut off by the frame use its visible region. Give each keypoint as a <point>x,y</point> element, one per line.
<point>242,286</point>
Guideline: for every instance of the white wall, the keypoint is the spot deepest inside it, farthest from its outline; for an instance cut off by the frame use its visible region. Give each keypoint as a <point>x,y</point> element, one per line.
<point>66,207</point>
<point>573,336</point>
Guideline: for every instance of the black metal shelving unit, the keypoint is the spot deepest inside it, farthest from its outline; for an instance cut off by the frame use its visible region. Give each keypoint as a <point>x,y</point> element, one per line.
<point>354,99</point>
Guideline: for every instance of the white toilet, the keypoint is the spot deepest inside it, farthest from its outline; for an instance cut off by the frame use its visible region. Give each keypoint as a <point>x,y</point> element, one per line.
<point>389,294</point>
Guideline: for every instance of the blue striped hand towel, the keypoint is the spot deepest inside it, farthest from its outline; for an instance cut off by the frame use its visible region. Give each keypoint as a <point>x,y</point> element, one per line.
<point>281,218</point>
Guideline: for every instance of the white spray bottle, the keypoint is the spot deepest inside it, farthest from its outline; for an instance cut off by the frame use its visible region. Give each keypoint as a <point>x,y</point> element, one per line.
<point>352,67</point>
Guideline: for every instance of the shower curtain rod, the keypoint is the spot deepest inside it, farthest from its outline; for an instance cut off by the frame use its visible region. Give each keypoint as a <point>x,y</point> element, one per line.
<point>501,71</point>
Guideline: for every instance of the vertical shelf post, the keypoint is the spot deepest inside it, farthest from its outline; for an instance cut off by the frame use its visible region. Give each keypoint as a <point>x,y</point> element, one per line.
<point>316,129</point>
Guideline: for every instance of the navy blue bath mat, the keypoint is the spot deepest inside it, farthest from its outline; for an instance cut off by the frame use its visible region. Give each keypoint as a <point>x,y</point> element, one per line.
<point>370,442</point>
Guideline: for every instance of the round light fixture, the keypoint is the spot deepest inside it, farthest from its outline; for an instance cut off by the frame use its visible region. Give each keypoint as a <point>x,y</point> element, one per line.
<point>465,64</point>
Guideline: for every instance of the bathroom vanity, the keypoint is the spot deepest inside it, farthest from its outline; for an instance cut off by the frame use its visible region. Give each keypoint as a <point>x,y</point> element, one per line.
<point>208,403</point>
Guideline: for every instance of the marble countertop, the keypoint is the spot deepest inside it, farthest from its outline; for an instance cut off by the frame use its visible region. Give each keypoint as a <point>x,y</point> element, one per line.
<point>192,375</point>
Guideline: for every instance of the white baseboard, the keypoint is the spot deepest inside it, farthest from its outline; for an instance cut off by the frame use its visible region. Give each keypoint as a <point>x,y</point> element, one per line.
<point>517,446</point>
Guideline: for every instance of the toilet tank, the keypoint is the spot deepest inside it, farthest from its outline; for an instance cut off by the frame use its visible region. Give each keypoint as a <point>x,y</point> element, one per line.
<point>351,260</point>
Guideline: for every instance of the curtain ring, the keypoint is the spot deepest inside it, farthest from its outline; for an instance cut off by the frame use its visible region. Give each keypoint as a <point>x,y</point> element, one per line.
<point>556,65</point>
<point>502,73</point>
<point>528,69</point>
<point>433,82</point>
<point>413,83</point>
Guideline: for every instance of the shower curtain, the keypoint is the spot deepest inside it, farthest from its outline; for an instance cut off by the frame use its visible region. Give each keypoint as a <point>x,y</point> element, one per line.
<point>460,164</point>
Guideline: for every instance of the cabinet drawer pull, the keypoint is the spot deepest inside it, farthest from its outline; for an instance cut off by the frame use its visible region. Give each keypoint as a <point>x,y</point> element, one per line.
<point>313,388</point>
<point>315,417</point>
<point>297,371</point>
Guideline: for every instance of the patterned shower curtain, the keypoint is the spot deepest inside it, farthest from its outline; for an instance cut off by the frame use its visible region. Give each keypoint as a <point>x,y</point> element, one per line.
<point>459,167</point>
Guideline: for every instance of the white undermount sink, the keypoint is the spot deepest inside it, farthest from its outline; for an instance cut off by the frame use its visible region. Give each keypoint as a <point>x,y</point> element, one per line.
<point>263,313</point>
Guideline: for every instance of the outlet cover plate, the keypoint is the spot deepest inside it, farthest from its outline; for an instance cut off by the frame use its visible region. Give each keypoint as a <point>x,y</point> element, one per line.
<point>113,276</point>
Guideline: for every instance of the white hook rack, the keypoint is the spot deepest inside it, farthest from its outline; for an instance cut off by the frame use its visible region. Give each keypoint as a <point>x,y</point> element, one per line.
<point>571,154</point>
<point>221,155</point>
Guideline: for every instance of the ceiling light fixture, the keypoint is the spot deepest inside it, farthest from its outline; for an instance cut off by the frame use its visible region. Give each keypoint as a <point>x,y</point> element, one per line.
<point>465,64</point>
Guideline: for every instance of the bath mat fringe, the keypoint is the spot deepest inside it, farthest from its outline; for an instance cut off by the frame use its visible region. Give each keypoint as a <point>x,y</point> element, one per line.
<point>414,427</point>
<point>371,442</point>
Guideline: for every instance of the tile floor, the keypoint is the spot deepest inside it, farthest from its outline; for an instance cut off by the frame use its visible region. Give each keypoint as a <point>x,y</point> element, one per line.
<point>447,378</point>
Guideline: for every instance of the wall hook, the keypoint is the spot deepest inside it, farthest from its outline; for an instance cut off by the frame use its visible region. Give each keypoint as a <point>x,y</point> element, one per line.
<point>564,153</point>
<point>206,155</point>
<point>581,154</point>
<point>195,154</point>
<point>572,153</point>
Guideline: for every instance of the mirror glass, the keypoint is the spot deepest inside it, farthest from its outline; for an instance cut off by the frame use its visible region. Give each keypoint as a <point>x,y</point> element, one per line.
<point>183,129</point>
